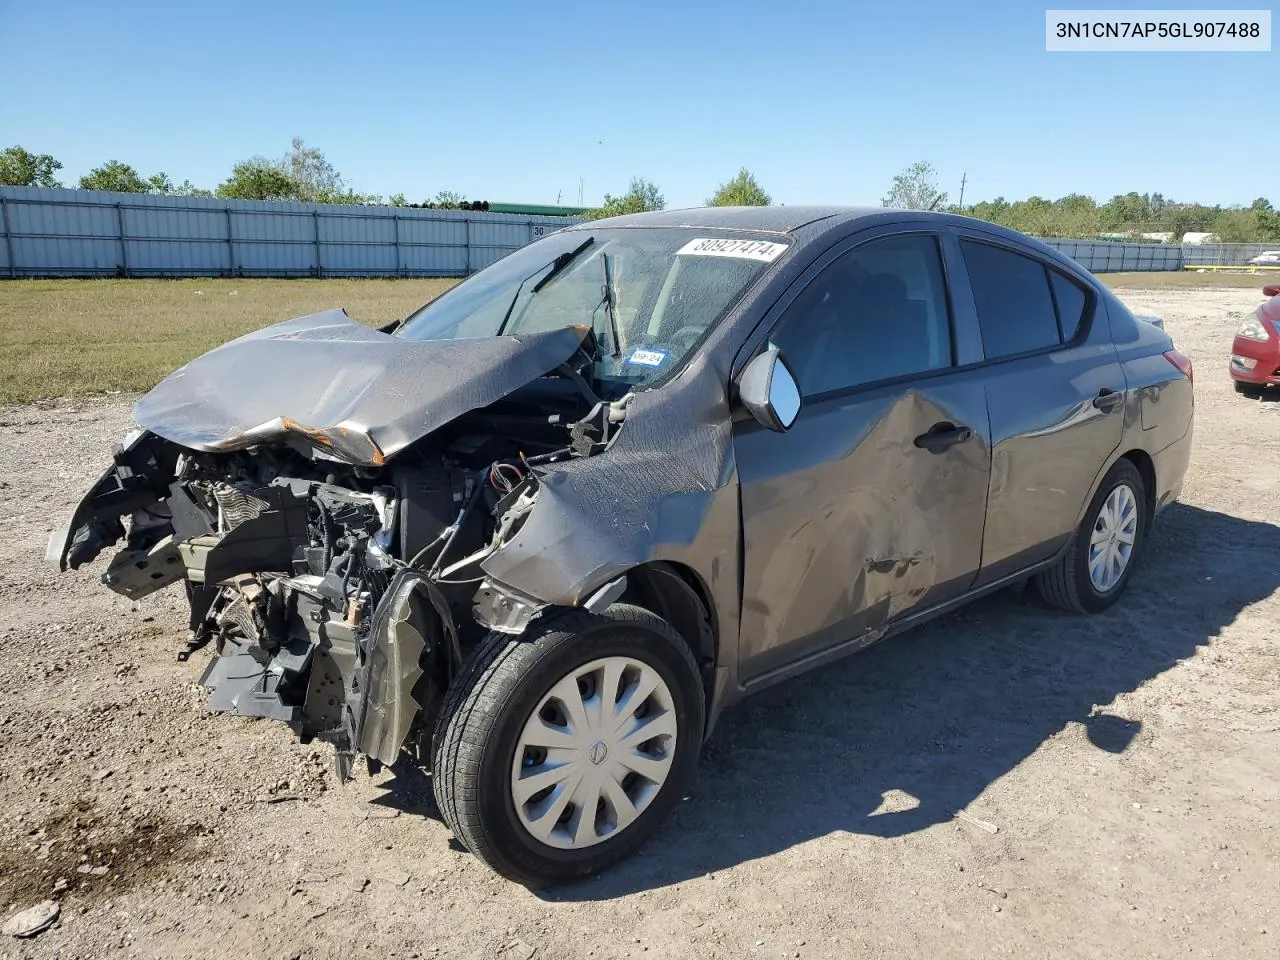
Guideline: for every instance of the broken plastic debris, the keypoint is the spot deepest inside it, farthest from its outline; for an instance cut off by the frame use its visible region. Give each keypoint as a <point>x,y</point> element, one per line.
<point>31,921</point>
<point>969,818</point>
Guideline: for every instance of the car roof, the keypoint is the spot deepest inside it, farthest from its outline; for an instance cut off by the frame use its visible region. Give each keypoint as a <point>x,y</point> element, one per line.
<point>760,219</point>
<point>790,220</point>
<point>808,223</point>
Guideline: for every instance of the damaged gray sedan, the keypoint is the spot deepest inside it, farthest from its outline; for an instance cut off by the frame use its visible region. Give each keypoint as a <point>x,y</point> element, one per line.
<point>541,532</point>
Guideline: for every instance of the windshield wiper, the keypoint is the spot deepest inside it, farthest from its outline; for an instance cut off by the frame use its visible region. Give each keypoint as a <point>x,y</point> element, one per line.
<point>608,300</point>
<point>562,261</point>
<point>557,267</point>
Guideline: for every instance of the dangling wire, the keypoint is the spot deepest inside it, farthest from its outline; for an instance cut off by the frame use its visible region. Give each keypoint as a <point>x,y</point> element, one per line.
<point>501,474</point>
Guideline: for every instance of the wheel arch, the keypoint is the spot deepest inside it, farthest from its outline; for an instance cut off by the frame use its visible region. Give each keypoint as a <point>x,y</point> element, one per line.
<point>1147,470</point>
<point>1145,466</point>
<point>677,594</point>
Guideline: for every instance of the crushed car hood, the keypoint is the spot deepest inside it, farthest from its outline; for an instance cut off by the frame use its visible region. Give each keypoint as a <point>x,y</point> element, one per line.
<point>333,384</point>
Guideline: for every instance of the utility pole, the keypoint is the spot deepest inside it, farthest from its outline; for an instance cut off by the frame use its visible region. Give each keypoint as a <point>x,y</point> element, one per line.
<point>963,179</point>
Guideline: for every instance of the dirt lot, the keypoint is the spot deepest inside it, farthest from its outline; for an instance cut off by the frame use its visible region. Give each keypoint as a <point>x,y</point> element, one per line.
<point>1129,765</point>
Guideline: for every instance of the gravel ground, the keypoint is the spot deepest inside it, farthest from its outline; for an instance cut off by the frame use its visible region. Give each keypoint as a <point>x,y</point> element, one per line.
<point>1118,776</point>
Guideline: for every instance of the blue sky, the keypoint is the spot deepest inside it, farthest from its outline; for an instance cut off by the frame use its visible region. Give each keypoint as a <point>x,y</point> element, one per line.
<point>503,100</point>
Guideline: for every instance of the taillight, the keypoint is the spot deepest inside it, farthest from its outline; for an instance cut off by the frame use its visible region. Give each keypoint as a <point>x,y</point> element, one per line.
<point>1182,362</point>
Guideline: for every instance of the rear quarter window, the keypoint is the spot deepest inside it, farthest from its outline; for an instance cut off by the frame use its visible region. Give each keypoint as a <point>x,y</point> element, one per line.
<point>1071,302</point>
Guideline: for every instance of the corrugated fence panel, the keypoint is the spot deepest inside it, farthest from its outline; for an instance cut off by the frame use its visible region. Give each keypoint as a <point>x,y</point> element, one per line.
<point>1223,254</point>
<point>435,245</point>
<point>359,245</point>
<point>69,233</point>
<point>1107,257</point>
<point>54,232</point>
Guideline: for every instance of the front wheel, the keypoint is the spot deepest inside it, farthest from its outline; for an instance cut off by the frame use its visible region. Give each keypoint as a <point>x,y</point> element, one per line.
<point>1096,567</point>
<point>1251,390</point>
<point>559,752</point>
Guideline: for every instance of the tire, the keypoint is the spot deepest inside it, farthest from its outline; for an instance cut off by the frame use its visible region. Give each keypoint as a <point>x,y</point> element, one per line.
<point>1251,390</point>
<point>507,685</point>
<point>1068,584</point>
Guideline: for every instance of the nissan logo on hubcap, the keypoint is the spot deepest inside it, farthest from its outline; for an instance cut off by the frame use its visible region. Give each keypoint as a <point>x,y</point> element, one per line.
<point>597,752</point>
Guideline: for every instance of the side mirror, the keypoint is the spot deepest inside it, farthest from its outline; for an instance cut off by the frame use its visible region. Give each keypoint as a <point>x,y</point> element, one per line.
<point>769,391</point>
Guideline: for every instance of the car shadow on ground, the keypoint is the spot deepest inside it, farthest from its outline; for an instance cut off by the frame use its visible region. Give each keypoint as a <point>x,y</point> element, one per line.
<point>937,714</point>
<point>941,712</point>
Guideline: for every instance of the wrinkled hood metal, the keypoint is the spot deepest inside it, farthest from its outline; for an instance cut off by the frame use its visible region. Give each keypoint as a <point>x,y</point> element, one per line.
<point>359,394</point>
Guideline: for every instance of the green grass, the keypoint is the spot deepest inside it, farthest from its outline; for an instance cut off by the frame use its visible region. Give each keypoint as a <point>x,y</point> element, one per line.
<point>75,337</point>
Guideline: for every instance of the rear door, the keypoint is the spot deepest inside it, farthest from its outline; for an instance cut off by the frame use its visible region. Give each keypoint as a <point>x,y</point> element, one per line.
<point>1055,391</point>
<point>871,504</point>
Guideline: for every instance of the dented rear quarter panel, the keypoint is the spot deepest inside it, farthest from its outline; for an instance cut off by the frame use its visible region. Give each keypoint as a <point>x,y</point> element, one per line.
<point>1160,401</point>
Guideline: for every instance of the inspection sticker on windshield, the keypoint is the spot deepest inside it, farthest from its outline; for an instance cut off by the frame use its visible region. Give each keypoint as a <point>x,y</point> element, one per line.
<point>761,250</point>
<point>648,358</point>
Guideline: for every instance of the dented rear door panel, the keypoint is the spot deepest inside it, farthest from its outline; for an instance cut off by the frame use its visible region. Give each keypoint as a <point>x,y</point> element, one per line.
<point>847,524</point>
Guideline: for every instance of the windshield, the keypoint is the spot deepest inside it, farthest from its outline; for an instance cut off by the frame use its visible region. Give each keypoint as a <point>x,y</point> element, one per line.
<point>650,295</point>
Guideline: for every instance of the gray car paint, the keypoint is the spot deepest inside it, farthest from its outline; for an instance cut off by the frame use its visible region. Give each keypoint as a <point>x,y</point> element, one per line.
<point>1048,438</point>
<point>360,394</point>
<point>686,484</point>
<point>1039,499</point>
<point>832,548</point>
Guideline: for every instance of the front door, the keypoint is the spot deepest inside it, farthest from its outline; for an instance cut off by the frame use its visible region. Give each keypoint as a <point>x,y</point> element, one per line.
<point>872,503</point>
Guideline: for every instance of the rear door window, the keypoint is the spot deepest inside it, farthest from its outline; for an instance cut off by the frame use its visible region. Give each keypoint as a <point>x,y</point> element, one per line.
<point>1015,306</point>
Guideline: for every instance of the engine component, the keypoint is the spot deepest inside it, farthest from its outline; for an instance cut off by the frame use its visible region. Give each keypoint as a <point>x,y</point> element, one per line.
<point>235,506</point>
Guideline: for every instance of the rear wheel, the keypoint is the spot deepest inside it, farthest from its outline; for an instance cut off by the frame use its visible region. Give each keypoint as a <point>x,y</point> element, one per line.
<point>1096,567</point>
<point>558,753</point>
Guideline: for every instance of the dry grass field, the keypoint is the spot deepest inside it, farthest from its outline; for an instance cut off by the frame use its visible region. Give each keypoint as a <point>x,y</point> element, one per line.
<point>1189,280</point>
<point>61,338</point>
<point>73,337</point>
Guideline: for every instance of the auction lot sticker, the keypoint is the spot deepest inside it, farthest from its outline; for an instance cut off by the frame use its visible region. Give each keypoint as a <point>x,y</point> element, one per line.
<point>761,250</point>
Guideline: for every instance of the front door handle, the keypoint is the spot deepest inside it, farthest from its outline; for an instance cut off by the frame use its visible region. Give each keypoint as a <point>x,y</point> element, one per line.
<point>941,436</point>
<point>1108,399</point>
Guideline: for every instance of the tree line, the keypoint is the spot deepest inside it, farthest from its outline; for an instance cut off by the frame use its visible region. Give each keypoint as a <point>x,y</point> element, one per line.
<point>1075,216</point>
<point>303,173</point>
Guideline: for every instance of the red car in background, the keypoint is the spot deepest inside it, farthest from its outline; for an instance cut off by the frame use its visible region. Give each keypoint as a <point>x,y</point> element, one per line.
<point>1255,352</point>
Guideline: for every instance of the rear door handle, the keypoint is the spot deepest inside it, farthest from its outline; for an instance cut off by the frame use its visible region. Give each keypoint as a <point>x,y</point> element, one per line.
<point>941,436</point>
<point>1108,399</point>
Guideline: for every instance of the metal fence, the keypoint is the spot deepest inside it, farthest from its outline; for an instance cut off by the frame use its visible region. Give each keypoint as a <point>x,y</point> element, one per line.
<point>89,233</point>
<point>1101,256</point>
<point>1110,257</point>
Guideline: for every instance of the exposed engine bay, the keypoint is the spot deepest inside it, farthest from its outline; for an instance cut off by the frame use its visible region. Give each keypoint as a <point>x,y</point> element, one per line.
<point>339,597</point>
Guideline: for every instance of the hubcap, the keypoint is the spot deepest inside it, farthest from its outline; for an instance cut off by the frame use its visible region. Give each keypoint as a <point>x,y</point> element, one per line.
<point>594,754</point>
<point>1114,534</point>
